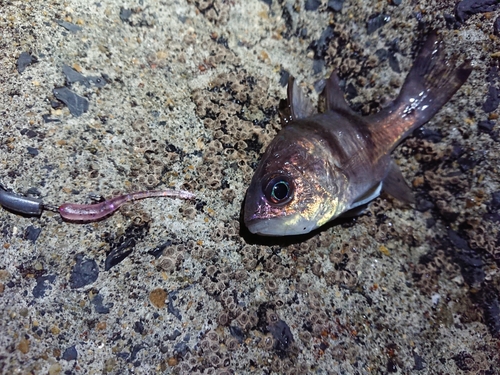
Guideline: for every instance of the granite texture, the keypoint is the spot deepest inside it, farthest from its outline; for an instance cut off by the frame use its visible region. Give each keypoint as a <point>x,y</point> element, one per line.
<point>108,97</point>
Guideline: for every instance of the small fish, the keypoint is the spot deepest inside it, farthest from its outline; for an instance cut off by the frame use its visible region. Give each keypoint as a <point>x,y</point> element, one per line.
<point>323,165</point>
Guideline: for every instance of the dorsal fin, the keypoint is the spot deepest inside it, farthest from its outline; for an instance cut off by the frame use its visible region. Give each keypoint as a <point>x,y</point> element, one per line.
<point>334,96</point>
<point>296,106</point>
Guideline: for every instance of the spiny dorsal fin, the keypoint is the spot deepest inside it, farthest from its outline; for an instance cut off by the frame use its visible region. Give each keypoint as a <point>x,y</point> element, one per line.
<point>296,106</point>
<point>334,96</point>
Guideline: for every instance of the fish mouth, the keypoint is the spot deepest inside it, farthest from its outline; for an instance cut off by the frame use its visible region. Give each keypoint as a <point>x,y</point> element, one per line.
<point>278,226</point>
<point>260,222</point>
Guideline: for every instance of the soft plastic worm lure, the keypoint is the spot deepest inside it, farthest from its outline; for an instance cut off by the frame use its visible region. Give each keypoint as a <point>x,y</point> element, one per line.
<point>83,213</point>
<point>98,211</point>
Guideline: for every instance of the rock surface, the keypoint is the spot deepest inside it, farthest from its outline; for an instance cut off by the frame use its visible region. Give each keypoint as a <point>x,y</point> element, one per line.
<point>183,94</point>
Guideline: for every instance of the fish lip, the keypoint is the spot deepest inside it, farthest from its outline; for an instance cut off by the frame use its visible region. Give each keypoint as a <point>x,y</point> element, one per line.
<point>258,226</point>
<point>264,227</point>
<point>251,220</point>
<point>255,223</point>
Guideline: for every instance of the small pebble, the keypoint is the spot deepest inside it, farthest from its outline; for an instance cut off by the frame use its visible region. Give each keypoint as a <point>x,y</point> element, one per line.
<point>158,297</point>
<point>24,346</point>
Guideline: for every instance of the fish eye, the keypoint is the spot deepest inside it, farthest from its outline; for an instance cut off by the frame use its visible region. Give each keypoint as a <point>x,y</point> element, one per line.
<point>278,190</point>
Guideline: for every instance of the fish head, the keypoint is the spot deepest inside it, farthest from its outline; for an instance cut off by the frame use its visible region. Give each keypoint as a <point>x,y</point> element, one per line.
<point>294,189</point>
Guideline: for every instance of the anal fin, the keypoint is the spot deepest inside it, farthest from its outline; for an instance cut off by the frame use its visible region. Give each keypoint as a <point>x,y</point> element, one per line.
<point>395,185</point>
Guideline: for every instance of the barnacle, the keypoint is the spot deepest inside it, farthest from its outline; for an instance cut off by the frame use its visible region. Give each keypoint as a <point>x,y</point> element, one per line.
<point>232,344</point>
<point>271,285</point>
<point>223,318</point>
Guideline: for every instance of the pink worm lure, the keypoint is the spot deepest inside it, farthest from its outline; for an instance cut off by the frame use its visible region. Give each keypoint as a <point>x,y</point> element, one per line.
<point>98,211</point>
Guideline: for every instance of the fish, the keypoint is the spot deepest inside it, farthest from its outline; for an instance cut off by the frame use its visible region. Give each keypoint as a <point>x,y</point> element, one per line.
<point>322,165</point>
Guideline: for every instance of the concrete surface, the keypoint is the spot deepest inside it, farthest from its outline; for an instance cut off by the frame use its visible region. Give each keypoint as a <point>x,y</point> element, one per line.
<point>184,95</point>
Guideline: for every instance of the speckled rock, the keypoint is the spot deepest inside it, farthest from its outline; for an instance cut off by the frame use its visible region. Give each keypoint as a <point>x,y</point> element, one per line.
<point>184,95</point>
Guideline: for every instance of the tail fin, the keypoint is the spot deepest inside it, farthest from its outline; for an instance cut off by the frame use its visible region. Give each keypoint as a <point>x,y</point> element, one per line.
<point>431,82</point>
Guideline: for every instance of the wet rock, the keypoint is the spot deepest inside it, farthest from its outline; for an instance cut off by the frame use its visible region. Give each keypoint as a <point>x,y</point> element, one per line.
<point>466,163</point>
<point>494,204</point>
<point>125,14</point>
<point>76,104</point>
<point>382,54</point>
<point>451,21</point>
<point>393,60</point>
<point>376,21</point>
<point>119,253</point>
<point>135,350</point>
<point>237,333</point>
<point>485,126</point>
<point>98,305</point>
<point>419,362</point>
<point>282,334</point>
<point>32,233</point>
<point>470,261</point>
<point>122,247</point>
<point>488,299</point>
<point>70,354</point>
<point>181,348</point>
<point>139,327</point>
<point>318,65</point>
<point>428,135</point>
<point>46,118</point>
<point>287,15</point>
<point>424,205</point>
<point>394,63</point>
<point>492,99</point>
<point>171,307</point>
<point>71,27</point>
<point>24,60</point>
<point>284,75</point>
<point>466,8</point>
<point>173,335</point>
<point>312,4</point>
<point>32,151</point>
<point>158,251</point>
<point>84,272</point>
<point>335,5</point>
<point>43,284</point>
<point>496,26</point>
<point>72,76</point>
<point>391,366</point>
<point>321,45</point>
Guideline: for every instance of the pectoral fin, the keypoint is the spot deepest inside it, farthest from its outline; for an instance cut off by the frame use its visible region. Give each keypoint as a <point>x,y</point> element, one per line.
<point>297,105</point>
<point>368,196</point>
<point>396,186</point>
<point>360,204</point>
